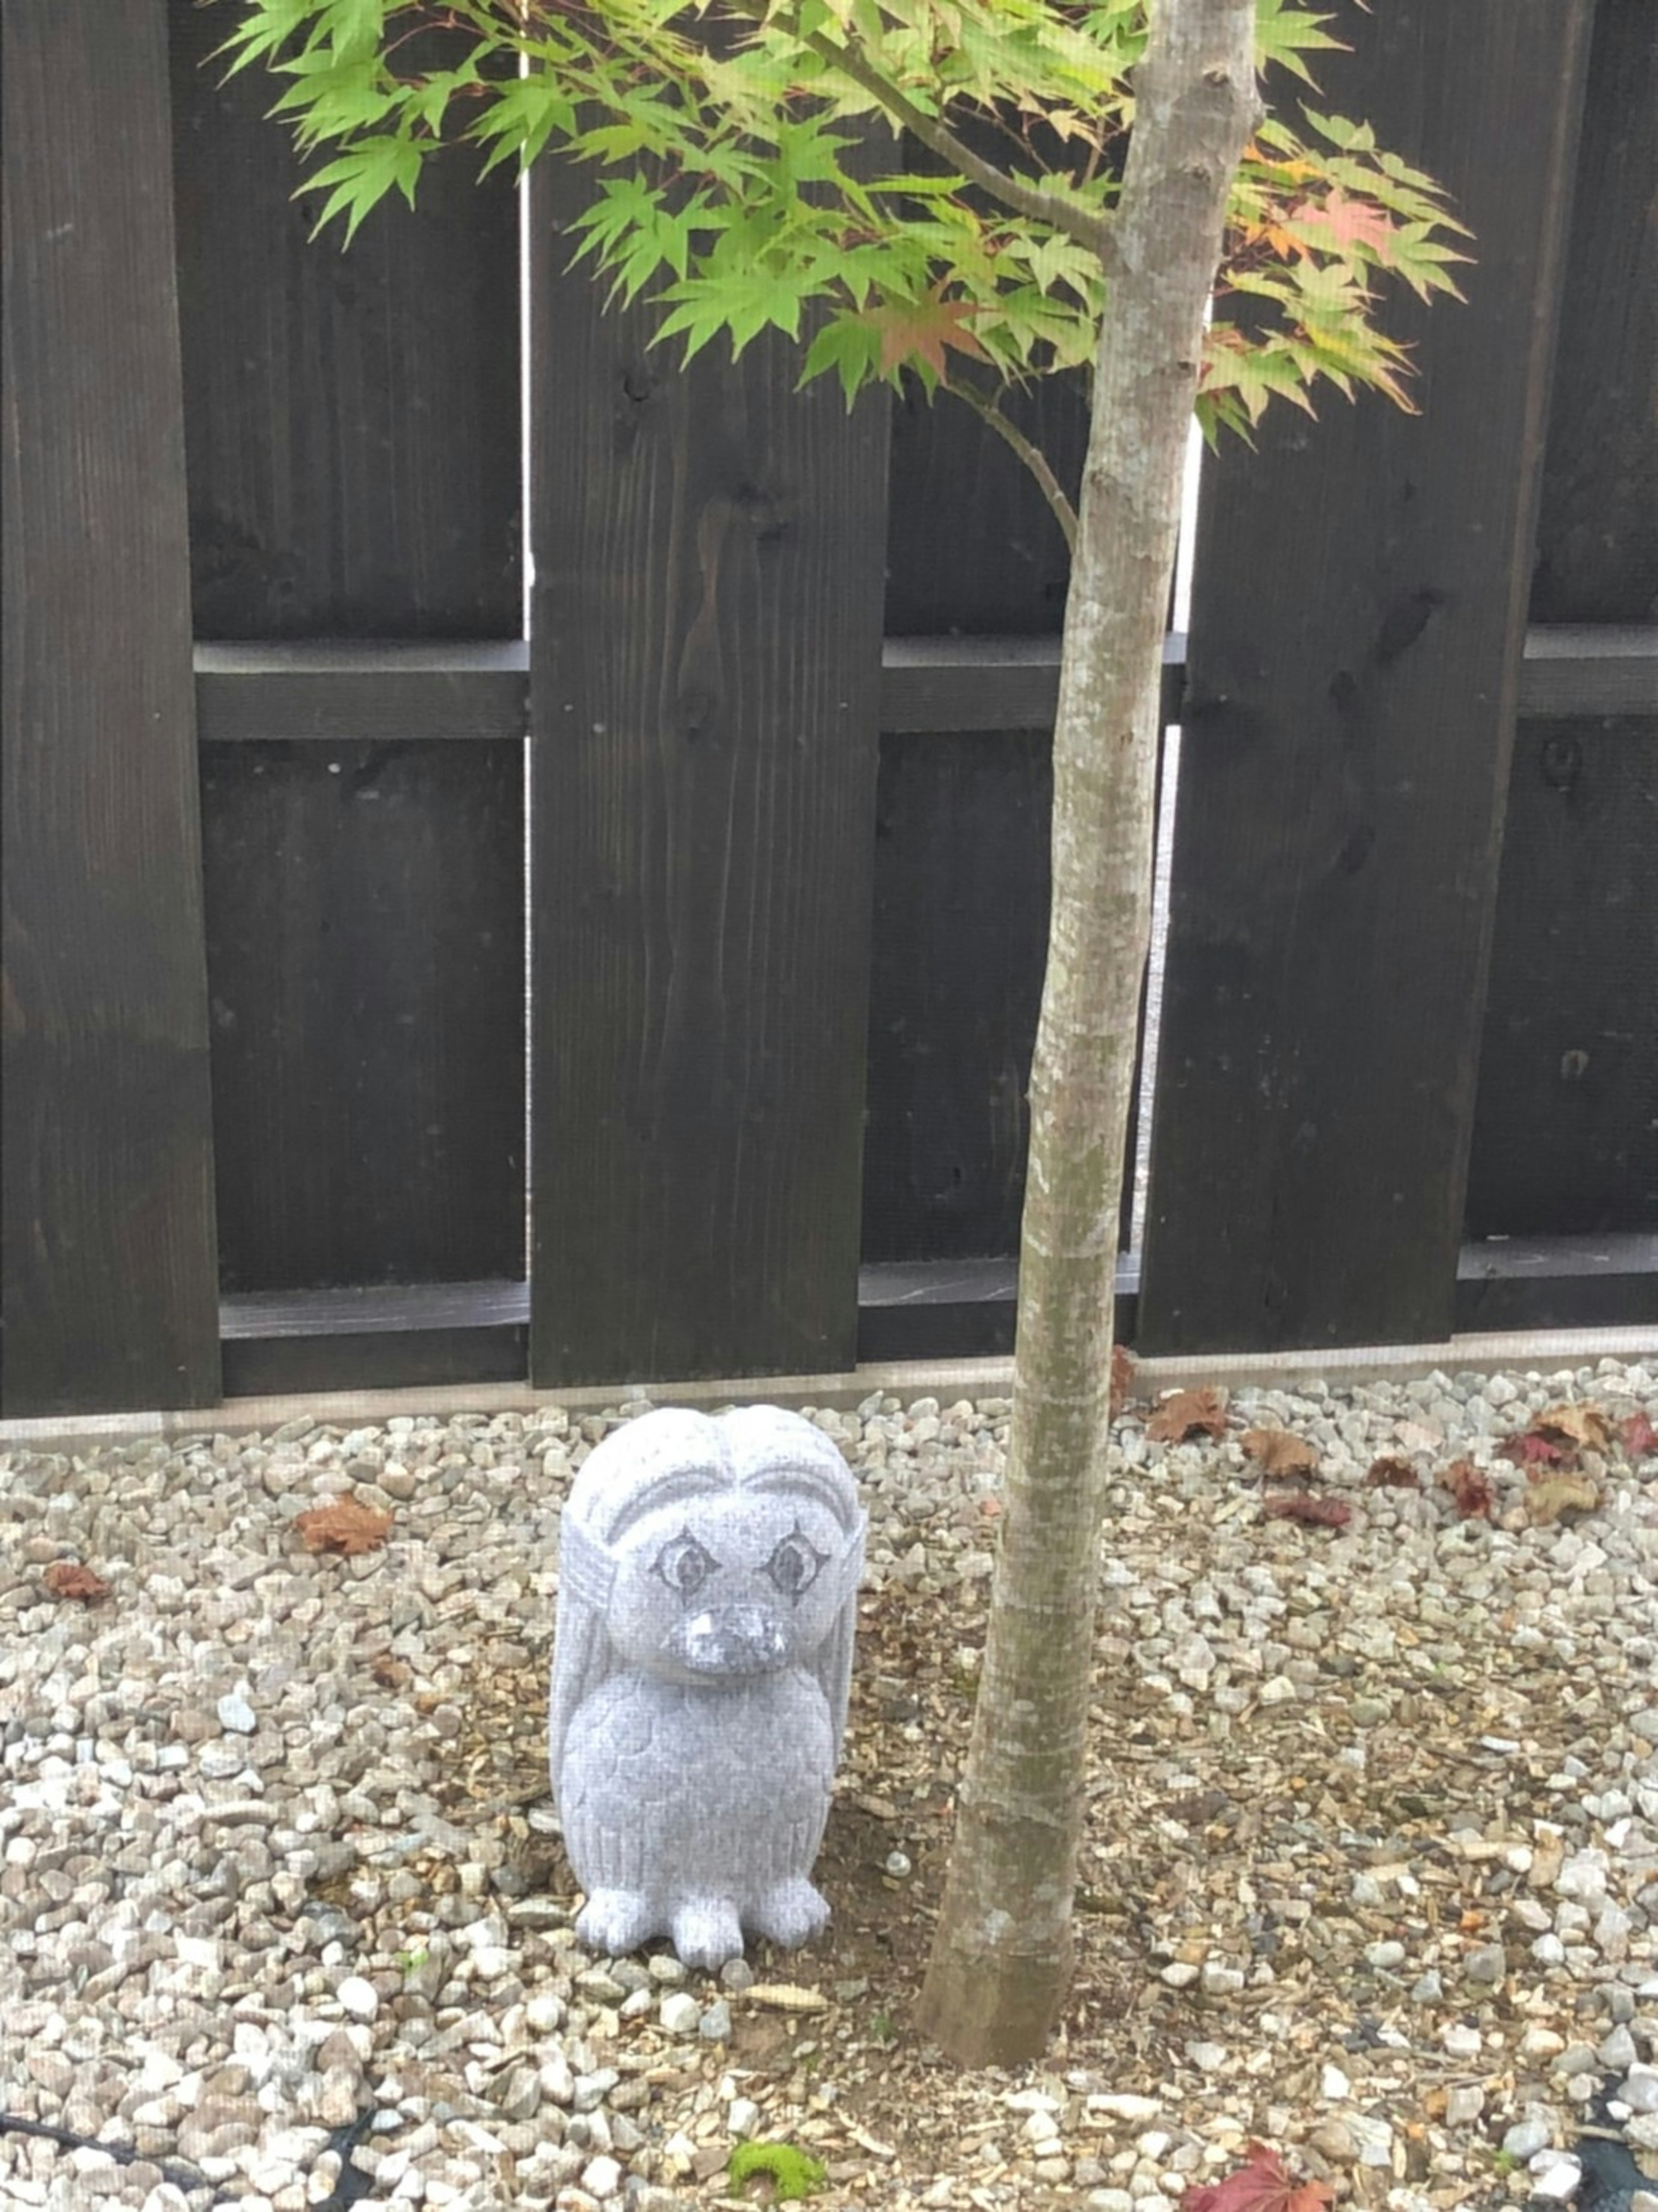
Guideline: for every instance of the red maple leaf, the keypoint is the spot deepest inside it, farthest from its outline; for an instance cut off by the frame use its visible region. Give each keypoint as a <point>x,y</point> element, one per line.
<point>920,330</point>
<point>1265,2185</point>
<point>1471,1488</point>
<point>1640,1438</point>
<point>1528,1449</point>
<point>1303,1505</point>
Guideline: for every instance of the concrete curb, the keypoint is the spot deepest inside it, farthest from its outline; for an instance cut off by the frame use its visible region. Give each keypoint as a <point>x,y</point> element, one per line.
<point>1543,1350</point>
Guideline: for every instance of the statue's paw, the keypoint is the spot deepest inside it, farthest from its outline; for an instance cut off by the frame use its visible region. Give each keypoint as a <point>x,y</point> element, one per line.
<point>707,1932</point>
<point>614,1920</point>
<point>791,1912</point>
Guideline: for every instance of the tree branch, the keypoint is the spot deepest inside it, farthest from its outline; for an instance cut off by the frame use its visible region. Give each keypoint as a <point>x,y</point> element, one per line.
<point>1052,490</point>
<point>1094,231</point>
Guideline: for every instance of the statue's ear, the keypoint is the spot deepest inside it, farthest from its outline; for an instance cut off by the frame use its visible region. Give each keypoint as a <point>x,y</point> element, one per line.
<point>582,1655</point>
<point>832,1663</point>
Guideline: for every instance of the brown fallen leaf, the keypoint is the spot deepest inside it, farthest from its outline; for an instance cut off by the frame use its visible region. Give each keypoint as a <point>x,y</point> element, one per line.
<point>1303,1505</point>
<point>1638,1437</point>
<point>1280,1453</point>
<point>392,1674</point>
<point>1471,1489</point>
<point>1391,1473</point>
<point>1552,1495</point>
<point>1586,1428</point>
<point>69,1578</point>
<point>1122,1377</point>
<point>342,1525</point>
<point>1188,1413</point>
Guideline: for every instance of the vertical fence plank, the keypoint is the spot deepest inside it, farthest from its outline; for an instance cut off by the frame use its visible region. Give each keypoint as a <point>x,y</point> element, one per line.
<point>704,655</point>
<point>110,1297</point>
<point>352,414</point>
<point>961,938</point>
<point>354,444</point>
<point>1566,1128</point>
<point>367,964</point>
<point>1356,627</point>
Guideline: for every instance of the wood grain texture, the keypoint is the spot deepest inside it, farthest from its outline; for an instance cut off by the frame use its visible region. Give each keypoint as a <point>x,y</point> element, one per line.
<point>1597,531</point>
<point>972,545</point>
<point>1356,639</point>
<point>705,664</point>
<point>1566,1129</point>
<point>352,415</point>
<point>1566,1137</point>
<point>366,694</point>
<point>960,940</point>
<point>366,961</point>
<point>110,1291</point>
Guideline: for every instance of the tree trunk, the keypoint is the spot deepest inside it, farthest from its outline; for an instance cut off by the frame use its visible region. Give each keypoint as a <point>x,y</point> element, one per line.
<point>1001,1958</point>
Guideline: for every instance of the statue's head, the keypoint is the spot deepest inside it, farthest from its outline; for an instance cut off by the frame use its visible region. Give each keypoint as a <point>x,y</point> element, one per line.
<point>709,1550</point>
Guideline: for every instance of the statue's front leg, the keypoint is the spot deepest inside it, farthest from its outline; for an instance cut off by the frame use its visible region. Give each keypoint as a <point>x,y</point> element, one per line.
<point>706,1932</point>
<point>617,1921</point>
<point>791,1912</point>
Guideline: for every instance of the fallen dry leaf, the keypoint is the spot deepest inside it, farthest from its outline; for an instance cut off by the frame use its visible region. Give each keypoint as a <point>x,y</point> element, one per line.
<point>1586,1427</point>
<point>1470,1487</point>
<point>1555,1494</point>
<point>1303,1505</point>
<point>1122,1378</point>
<point>1278,1453</point>
<point>786,1997</point>
<point>1188,1413</point>
<point>1263,2185</point>
<point>1389,1472</point>
<point>1638,1437</point>
<point>1527,1448</point>
<point>69,1578</point>
<point>392,1674</point>
<point>342,1525</point>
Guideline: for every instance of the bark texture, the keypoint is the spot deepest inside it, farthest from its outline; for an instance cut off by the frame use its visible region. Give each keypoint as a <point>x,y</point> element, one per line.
<point>1002,1953</point>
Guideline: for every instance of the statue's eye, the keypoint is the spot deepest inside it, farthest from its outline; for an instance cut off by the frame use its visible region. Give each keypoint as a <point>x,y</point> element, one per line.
<point>684,1564</point>
<point>795,1565</point>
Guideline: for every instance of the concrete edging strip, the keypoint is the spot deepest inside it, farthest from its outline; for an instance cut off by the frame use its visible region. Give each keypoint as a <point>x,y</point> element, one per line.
<point>945,1379</point>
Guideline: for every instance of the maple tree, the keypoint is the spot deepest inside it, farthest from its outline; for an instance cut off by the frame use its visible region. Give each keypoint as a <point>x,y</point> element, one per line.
<point>814,167</point>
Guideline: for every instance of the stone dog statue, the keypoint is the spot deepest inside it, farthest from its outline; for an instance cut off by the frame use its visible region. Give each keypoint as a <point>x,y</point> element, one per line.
<point>709,1573</point>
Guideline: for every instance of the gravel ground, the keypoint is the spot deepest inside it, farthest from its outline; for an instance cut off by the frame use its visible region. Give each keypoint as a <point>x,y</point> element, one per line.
<point>1372,1871</point>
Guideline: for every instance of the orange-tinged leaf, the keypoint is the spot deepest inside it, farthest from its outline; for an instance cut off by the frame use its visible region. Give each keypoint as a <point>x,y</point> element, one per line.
<point>342,1525</point>
<point>921,330</point>
<point>69,1578</point>
<point>1280,1453</point>
<point>1122,1377</point>
<point>1188,1413</point>
<point>1264,2183</point>
<point>1339,223</point>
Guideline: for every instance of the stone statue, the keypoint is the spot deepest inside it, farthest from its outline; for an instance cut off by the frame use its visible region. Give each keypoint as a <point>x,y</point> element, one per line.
<point>709,1573</point>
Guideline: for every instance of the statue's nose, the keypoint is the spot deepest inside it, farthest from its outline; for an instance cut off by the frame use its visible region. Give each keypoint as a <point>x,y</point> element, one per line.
<point>734,1639</point>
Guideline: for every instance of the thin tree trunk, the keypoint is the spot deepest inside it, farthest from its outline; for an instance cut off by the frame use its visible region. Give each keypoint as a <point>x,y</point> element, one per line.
<point>1001,1959</point>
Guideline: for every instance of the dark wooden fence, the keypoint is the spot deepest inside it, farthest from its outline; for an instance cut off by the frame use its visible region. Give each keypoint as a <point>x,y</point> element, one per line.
<point>267,698</point>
